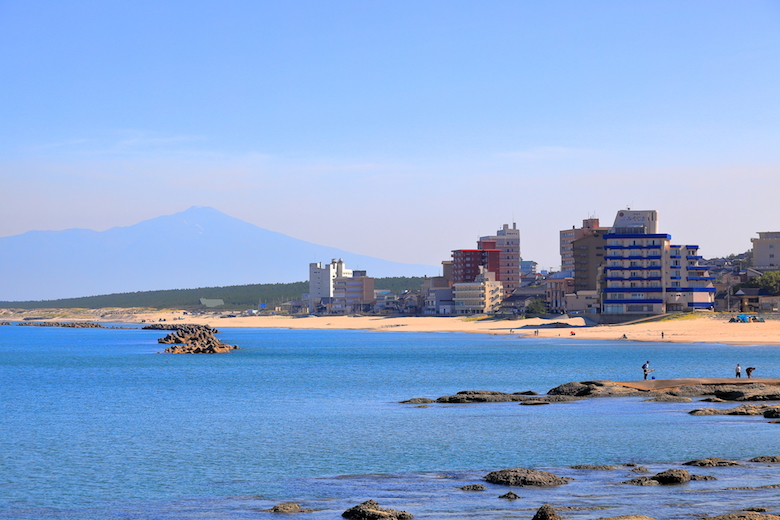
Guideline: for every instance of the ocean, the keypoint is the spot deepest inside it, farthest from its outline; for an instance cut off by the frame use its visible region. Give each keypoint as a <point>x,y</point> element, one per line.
<point>96,423</point>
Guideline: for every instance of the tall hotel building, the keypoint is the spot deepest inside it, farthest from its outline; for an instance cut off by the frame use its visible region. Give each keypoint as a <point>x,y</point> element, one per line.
<point>507,241</point>
<point>644,273</point>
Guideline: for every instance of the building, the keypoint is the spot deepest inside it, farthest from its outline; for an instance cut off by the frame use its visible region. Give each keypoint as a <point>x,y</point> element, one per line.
<point>582,302</point>
<point>556,287</point>
<point>568,236</point>
<point>587,258</point>
<point>644,273</point>
<point>466,263</point>
<point>506,240</point>
<point>321,279</point>
<point>766,250</point>
<point>481,296</point>
<point>353,293</point>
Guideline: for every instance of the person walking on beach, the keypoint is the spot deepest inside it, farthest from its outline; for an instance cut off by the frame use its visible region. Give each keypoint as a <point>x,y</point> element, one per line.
<point>646,369</point>
<point>749,371</point>
<point>739,371</point>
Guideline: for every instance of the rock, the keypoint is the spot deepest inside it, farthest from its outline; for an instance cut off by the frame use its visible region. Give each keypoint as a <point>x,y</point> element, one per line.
<point>756,509</point>
<point>418,400</point>
<point>370,510</point>
<point>766,458</point>
<point>668,398</point>
<point>672,476</point>
<point>743,409</point>
<point>546,512</point>
<point>289,507</point>
<point>752,392</point>
<point>642,481</point>
<point>474,487</point>
<point>710,462</point>
<point>640,469</point>
<point>595,467</point>
<point>773,413</point>
<point>525,477</point>
<point>547,399</point>
<point>596,389</point>
<point>534,403</point>
<point>713,400</point>
<point>703,477</point>
<point>628,517</point>
<point>745,515</point>
<point>192,339</point>
<point>483,396</point>
<point>510,496</point>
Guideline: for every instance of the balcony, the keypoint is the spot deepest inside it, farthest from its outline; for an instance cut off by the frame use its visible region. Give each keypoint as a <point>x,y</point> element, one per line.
<point>699,278</point>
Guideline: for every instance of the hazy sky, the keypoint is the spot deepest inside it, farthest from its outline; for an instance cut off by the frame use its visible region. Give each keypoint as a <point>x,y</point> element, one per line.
<point>397,129</point>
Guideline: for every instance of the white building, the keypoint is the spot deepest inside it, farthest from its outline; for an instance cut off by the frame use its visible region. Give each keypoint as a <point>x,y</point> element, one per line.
<point>508,241</point>
<point>321,279</point>
<point>481,296</point>
<point>644,273</point>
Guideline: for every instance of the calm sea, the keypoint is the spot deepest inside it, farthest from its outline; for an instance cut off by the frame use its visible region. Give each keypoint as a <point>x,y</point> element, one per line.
<point>97,424</point>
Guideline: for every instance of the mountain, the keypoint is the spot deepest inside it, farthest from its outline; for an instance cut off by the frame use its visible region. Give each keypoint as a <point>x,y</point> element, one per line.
<point>198,247</point>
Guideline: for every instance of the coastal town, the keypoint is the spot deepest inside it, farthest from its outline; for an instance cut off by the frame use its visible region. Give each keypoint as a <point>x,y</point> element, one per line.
<point>608,274</point>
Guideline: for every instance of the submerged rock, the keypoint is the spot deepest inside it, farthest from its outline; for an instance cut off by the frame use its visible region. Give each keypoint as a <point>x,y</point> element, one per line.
<point>546,512</point>
<point>711,462</point>
<point>745,515</point>
<point>370,510</point>
<point>703,477</point>
<point>418,400</point>
<point>595,467</point>
<point>510,496</point>
<point>525,477</point>
<point>766,458</point>
<point>289,507</point>
<point>474,487</point>
<point>483,396</point>
<point>642,481</point>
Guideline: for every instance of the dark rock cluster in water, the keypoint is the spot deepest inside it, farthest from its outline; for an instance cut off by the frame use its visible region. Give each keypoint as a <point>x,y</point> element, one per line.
<point>370,510</point>
<point>67,324</point>
<point>192,339</point>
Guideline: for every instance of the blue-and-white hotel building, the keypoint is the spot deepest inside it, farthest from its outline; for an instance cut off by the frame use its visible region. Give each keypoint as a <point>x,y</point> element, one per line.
<point>644,273</point>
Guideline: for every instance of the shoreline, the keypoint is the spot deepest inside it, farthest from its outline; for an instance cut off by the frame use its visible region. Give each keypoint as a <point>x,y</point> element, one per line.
<point>697,328</point>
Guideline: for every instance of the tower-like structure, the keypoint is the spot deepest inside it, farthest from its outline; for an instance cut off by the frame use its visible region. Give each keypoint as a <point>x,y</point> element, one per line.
<point>507,241</point>
<point>644,273</point>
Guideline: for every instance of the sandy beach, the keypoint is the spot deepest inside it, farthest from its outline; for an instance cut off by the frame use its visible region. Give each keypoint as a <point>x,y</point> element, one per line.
<point>699,327</point>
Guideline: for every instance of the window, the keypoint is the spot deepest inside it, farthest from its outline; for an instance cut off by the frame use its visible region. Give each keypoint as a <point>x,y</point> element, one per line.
<point>675,284</point>
<point>634,274</point>
<point>637,296</point>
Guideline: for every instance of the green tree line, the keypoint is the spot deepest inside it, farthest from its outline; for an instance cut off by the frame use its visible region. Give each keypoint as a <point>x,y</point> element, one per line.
<point>234,296</point>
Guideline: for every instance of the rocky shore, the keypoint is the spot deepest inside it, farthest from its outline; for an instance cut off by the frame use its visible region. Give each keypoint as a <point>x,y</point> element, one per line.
<point>65,324</point>
<point>656,391</point>
<point>545,486</point>
<point>191,339</point>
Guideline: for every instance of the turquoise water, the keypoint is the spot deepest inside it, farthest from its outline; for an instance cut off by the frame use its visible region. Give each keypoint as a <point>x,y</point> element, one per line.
<point>97,424</point>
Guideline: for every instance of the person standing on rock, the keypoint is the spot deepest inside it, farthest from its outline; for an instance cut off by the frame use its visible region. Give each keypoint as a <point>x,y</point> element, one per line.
<point>739,371</point>
<point>646,369</point>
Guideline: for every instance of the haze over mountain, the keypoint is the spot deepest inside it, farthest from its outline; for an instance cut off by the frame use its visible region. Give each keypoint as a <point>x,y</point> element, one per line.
<point>199,247</point>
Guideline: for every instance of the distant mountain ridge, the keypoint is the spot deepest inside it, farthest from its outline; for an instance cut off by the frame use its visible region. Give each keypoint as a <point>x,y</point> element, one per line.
<point>198,247</point>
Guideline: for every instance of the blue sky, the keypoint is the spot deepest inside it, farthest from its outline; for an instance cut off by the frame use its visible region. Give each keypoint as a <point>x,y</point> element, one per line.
<point>398,129</point>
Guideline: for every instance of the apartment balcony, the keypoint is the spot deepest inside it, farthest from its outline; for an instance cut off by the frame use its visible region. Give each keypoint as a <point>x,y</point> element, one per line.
<point>675,256</point>
<point>694,257</point>
<point>699,278</point>
<point>699,267</point>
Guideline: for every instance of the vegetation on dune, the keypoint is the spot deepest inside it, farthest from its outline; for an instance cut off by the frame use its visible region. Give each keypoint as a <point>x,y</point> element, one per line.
<point>234,296</point>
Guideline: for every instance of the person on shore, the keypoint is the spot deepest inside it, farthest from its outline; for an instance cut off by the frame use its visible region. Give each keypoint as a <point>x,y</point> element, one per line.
<point>739,371</point>
<point>646,369</point>
<point>662,334</point>
<point>749,371</point>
